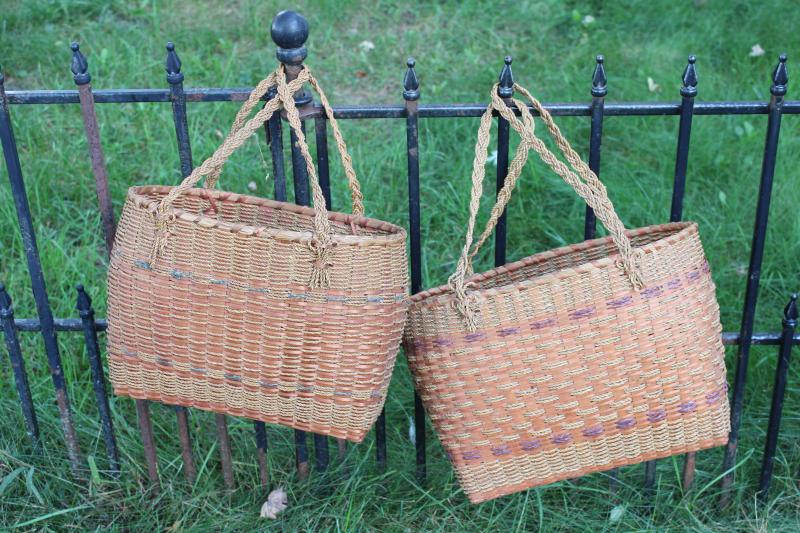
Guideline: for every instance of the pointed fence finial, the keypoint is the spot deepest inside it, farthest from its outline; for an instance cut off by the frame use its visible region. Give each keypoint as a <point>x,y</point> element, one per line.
<point>173,67</point>
<point>84,303</point>
<point>780,77</point>
<point>290,31</point>
<point>506,88</point>
<point>599,79</point>
<point>5,303</point>
<point>790,312</point>
<point>80,67</point>
<point>689,79</point>
<point>410,81</point>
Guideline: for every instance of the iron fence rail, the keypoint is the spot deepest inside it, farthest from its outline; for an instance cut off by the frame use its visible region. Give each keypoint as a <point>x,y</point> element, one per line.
<point>411,110</point>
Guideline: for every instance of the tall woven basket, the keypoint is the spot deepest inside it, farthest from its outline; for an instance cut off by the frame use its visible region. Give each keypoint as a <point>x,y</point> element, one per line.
<point>252,307</point>
<point>575,360</point>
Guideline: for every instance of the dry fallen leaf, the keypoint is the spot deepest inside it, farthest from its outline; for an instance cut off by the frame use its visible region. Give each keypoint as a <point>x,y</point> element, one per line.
<point>652,86</point>
<point>361,74</point>
<point>276,502</point>
<point>756,50</point>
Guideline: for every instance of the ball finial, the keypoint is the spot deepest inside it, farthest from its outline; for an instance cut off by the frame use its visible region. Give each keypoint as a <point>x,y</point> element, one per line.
<point>290,31</point>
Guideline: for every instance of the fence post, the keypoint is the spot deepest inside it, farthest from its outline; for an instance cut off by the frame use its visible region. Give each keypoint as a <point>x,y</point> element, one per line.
<point>411,96</point>
<point>505,90</point>
<point>688,94</point>
<point>82,78</point>
<point>84,307</point>
<point>178,98</point>
<point>18,366</point>
<point>778,391</point>
<point>599,92</point>
<point>37,279</point>
<point>780,79</point>
<point>289,31</point>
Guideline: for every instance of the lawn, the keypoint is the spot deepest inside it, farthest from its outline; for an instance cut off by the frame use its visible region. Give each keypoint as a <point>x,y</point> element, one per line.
<point>358,51</point>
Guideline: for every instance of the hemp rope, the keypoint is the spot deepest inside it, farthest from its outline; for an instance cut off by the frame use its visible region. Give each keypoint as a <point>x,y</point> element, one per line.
<point>582,180</point>
<point>241,129</point>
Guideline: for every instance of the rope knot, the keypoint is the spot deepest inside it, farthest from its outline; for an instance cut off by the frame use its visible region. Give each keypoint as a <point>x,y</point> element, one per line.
<point>321,263</point>
<point>162,233</point>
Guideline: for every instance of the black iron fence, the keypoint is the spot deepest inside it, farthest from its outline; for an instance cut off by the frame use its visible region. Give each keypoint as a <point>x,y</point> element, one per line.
<point>287,32</point>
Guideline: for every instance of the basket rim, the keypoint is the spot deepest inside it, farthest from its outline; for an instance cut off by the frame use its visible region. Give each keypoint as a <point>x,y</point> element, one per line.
<point>138,195</point>
<point>681,230</point>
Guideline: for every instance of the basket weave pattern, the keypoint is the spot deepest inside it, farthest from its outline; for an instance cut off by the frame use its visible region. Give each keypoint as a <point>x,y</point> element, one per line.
<point>571,371</point>
<point>575,360</point>
<point>225,321</point>
<point>252,307</point>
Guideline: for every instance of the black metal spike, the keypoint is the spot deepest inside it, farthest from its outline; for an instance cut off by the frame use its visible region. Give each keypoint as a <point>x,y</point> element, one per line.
<point>599,79</point>
<point>174,74</point>
<point>506,88</point>
<point>290,31</point>
<point>780,77</point>
<point>80,67</point>
<point>790,312</point>
<point>411,82</point>
<point>5,302</point>
<point>84,305</point>
<point>689,79</point>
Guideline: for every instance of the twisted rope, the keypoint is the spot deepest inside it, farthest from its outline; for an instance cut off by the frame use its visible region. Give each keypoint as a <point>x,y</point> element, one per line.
<point>581,178</point>
<point>240,131</point>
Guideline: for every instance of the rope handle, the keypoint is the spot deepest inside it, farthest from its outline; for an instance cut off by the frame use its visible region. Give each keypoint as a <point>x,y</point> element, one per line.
<point>240,131</point>
<point>581,178</point>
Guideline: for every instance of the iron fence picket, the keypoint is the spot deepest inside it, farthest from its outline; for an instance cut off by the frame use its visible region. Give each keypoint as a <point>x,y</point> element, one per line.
<point>778,90</point>
<point>36,274</point>
<point>789,324</point>
<point>18,366</point>
<point>411,95</point>
<point>84,307</point>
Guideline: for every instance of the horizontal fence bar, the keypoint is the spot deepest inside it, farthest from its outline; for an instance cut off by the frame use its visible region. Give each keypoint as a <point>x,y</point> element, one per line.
<point>116,96</point>
<point>729,338</point>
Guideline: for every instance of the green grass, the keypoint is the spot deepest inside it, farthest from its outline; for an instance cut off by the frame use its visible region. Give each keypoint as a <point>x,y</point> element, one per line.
<point>459,48</point>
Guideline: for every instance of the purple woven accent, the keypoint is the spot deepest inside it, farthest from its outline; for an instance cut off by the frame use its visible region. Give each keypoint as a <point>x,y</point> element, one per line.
<point>593,431</point>
<point>530,445</point>
<point>269,385</point>
<point>693,275</point>
<point>656,416</point>
<point>471,455</point>
<point>442,342</point>
<point>626,423</point>
<point>503,449</point>
<point>582,313</point>
<point>621,302</point>
<point>164,362</point>
<point>714,397</point>
<point>706,267</point>
<point>233,377</point>
<point>449,454</point>
<point>129,353</point>
<point>652,292</point>
<point>687,407</point>
<point>508,331</point>
<point>543,323</point>
<point>472,337</point>
<point>562,438</point>
<point>198,370</point>
<point>674,283</point>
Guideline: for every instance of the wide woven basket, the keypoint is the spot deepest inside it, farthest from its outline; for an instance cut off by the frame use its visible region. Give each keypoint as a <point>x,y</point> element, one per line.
<point>236,313</point>
<point>557,365</point>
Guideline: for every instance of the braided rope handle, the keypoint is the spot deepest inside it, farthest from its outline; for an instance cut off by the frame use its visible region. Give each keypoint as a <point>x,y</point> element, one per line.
<point>581,178</point>
<point>240,131</point>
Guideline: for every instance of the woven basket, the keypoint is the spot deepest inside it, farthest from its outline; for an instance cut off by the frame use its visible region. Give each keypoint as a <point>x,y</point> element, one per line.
<point>575,360</point>
<point>252,307</point>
